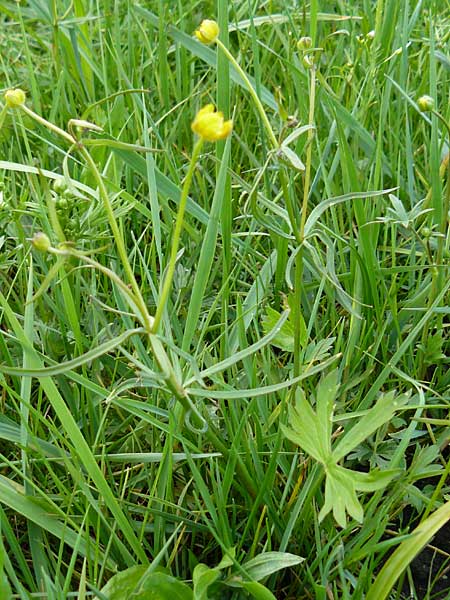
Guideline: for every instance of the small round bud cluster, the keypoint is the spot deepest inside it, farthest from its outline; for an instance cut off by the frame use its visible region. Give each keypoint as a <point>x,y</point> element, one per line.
<point>14,98</point>
<point>41,242</point>
<point>425,103</point>
<point>67,208</point>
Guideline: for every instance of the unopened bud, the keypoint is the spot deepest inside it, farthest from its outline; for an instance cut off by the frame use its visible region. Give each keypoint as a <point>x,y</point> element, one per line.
<point>304,43</point>
<point>14,98</point>
<point>308,61</point>
<point>60,185</point>
<point>41,241</point>
<point>425,103</point>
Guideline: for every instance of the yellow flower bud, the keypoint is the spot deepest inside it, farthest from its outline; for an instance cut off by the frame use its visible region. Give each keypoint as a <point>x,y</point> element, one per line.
<point>14,98</point>
<point>209,124</point>
<point>41,242</point>
<point>425,103</point>
<point>207,32</point>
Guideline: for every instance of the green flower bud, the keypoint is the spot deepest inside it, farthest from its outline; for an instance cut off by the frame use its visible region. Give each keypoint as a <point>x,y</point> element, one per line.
<point>308,61</point>
<point>62,203</point>
<point>425,103</point>
<point>60,185</point>
<point>41,242</point>
<point>304,43</point>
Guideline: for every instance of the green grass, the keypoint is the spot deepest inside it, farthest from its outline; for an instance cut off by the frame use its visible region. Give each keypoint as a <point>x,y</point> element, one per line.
<point>301,363</point>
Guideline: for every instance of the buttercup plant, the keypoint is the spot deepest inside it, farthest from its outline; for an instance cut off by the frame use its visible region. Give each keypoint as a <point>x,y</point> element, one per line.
<point>208,33</point>
<point>16,99</point>
<point>107,469</point>
<point>210,126</point>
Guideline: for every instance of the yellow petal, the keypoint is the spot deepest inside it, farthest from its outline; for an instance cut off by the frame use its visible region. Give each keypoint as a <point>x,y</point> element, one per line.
<point>207,32</point>
<point>210,125</point>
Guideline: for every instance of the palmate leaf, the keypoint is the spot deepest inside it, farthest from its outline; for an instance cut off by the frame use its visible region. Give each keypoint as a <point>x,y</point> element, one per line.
<point>305,430</point>
<point>315,351</point>
<point>284,339</point>
<point>341,486</point>
<point>378,415</point>
<point>312,431</point>
<point>340,496</point>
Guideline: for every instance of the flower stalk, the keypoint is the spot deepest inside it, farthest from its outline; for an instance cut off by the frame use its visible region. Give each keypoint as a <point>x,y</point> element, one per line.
<point>162,301</point>
<point>298,275</point>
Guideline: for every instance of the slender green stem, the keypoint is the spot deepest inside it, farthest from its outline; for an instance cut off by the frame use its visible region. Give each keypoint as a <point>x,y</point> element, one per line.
<point>312,102</point>
<point>3,114</point>
<point>252,91</point>
<point>289,204</point>
<point>176,238</point>
<point>298,277</point>
<point>135,295</point>
<point>118,238</point>
<point>48,125</point>
<point>103,193</point>
<point>149,323</point>
<point>273,140</point>
<point>157,349</point>
<point>443,225</point>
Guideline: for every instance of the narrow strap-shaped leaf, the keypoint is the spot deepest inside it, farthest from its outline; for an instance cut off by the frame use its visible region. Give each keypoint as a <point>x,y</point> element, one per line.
<point>228,362</point>
<point>261,391</point>
<point>317,212</point>
<point>69,365</point>
<point>405,553</point>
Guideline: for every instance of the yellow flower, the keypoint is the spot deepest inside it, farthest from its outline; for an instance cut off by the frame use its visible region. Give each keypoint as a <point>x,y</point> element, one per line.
<point>207,32</point>
<point>14,98</point>
<point>210,125</point>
